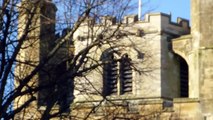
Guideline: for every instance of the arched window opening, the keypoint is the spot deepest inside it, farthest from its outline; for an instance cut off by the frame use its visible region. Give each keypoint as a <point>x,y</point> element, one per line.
<point>110,74</point>
<point>117,73</point>
<point>125,74</point>
<point>184,78</point>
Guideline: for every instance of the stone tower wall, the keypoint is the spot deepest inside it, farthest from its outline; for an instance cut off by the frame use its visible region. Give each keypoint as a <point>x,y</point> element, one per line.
<point>40,16</point>
<point>157,30</point>
<point>197,51</point>
<point>148,44</point>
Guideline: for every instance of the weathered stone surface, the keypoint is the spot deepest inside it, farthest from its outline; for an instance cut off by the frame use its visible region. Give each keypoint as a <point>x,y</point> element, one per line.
<point>199,55</point>
<point>154,95</point>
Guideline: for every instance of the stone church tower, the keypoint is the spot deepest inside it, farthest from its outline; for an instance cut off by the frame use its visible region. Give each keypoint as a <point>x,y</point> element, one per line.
<point>39,15</point>
<point>180,88</point>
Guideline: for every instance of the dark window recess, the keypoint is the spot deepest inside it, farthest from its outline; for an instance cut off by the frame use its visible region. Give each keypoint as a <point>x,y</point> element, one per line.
<point>184,83</point>
<point>110,77</point>
<point>126,75</point>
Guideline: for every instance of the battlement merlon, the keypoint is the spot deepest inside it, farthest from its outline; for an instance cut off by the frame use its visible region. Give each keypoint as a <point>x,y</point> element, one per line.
<point>180,21</point>
<point>154,22</point>
<point>164,23</point>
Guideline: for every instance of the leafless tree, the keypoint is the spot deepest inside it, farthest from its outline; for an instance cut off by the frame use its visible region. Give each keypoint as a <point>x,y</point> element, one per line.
<point>22,65</point>
<point>39,68</point>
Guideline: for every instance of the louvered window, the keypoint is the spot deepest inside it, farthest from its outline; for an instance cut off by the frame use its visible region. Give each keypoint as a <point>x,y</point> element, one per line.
<point>125,75</point>
<point>117,75</point>
<point>110,76</point>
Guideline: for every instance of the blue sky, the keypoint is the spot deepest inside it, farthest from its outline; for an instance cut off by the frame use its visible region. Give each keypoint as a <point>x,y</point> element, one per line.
<point>178,8</point>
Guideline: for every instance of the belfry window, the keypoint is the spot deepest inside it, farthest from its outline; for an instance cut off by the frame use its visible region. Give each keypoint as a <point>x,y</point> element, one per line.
<point>125,75</point>
<point>110,75</point>
<point>117,74</point>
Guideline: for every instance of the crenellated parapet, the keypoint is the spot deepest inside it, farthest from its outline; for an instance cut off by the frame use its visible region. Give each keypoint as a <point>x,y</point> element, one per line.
<point>154,22</point>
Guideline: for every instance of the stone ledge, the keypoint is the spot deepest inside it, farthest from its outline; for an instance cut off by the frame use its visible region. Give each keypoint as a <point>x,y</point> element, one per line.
<point>125,98</point>
<point>186,100</point>
<point>121,102</point>
<point>183,37</point>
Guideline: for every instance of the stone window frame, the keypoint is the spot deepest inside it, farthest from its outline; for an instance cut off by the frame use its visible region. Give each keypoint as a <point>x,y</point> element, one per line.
<point>119,82</point>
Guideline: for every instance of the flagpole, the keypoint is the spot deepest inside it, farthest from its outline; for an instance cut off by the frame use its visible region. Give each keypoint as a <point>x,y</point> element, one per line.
<point>139,9</point>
